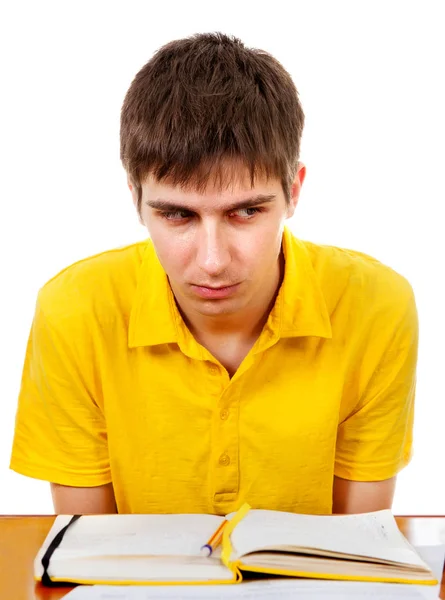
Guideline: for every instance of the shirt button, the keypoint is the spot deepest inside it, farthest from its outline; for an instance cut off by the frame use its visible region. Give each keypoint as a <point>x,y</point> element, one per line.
<point>213,370</point>
<point>224,414</point>
<point>224,460</point>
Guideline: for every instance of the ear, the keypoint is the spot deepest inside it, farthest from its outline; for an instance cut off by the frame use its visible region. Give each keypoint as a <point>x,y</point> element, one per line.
<point>133,191</point>
<point>134,195</point>
<point>296,189</point>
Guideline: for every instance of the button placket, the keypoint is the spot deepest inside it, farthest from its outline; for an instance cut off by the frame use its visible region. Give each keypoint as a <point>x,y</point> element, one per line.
<point>213,369</point>
<point>217,381</point>
<point>226,442</point>
<point>224,460</point>
<point>224,414</point>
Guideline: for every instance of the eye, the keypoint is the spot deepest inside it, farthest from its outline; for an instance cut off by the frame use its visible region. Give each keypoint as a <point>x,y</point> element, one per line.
<point>175,215</point>
<point>248,213</point>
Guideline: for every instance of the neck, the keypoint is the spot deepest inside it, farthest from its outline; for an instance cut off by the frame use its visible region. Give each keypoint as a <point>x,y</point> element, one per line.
<point>244,325</point>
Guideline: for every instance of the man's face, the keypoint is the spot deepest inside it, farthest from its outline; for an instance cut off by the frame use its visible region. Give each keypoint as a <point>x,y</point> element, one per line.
<point>219,249</point>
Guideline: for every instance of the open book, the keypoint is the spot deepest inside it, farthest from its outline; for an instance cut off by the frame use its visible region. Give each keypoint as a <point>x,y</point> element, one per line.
<point>166,549</point>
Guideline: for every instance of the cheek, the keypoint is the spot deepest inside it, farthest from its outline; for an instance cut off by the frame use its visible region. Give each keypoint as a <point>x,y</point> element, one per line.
<point>172,250</point>
<point>257,259</point>
<point>262,247</point>
<point>174,256</point>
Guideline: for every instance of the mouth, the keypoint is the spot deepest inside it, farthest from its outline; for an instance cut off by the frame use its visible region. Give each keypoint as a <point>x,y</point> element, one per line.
<point>212,292</point>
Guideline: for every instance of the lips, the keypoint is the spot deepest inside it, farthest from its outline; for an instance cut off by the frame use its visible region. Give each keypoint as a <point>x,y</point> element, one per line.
<point>211,292</point>
<point>213,287</point>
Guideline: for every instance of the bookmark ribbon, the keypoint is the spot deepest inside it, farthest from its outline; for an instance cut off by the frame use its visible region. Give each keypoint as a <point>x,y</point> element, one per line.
<point>46,579</point>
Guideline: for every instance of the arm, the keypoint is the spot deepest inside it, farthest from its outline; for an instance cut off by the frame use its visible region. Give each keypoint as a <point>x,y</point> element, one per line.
<point>374,440</point>
<point>60,431</point>
<point>362,496</point>
<point>83,500</point>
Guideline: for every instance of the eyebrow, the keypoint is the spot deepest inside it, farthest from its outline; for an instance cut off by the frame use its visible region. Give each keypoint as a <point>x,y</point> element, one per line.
<point>170,206</point>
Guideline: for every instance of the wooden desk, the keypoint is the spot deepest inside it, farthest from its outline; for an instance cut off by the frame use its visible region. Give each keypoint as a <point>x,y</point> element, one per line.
<point>22,536</point>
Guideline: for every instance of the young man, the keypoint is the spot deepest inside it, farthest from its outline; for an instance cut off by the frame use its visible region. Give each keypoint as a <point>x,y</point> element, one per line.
<point>222,360</point>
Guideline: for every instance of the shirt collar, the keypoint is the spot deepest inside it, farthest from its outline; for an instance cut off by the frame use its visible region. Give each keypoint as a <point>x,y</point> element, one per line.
<point>299,310</point>
<point>153,318</point>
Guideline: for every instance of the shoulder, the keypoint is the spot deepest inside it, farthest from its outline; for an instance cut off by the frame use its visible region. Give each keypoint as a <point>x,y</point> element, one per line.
<point>360,282</point>
<point>94,286</point>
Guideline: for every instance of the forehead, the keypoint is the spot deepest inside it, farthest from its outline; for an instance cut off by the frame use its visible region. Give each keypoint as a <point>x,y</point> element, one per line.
<point>216,196</point>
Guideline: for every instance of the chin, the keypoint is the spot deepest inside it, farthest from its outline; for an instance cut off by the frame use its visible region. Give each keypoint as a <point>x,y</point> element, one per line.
<point>217,307</point>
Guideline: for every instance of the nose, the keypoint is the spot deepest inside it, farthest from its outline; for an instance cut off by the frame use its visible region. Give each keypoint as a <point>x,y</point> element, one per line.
<point>213,254</point>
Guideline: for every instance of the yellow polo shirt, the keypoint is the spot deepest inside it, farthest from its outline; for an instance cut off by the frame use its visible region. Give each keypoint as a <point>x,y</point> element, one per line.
<point>115,387</point>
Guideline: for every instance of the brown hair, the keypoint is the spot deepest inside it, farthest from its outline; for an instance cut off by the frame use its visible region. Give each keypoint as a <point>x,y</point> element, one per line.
<point>205,99</point>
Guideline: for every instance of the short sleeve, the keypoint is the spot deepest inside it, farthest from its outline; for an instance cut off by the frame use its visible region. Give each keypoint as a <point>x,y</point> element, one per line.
<point>374,442</point>
<point>60,431</point>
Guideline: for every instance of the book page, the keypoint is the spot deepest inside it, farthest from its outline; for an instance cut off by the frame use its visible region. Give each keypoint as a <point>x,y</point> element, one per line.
<point>370,534</point>
<point>263,590</point>
<point>137,535</point>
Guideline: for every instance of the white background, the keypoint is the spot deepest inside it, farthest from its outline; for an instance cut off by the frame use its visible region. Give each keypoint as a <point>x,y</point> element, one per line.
<point>371,79</point>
